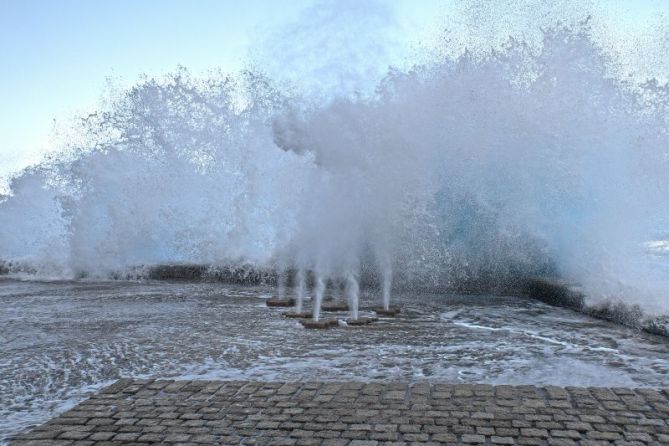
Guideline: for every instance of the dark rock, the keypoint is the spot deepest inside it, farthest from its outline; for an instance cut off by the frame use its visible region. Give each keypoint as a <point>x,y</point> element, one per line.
<point>559,294</point>
<point>555,293</point>
<point>624,314</point>
<point>280,302</point>
<point>320,324</point>
<point>177,272</point>
<point>658,326</point>
<point>361,321</point>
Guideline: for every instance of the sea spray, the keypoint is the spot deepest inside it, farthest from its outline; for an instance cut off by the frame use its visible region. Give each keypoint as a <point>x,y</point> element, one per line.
<point>520,162</point>
<point>281,284</point>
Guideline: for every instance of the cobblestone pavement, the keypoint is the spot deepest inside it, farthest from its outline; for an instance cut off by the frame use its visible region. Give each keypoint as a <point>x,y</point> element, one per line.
<point>358,414</point>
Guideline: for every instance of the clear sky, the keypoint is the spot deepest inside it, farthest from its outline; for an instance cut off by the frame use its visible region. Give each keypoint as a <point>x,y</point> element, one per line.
<point>56,54</point>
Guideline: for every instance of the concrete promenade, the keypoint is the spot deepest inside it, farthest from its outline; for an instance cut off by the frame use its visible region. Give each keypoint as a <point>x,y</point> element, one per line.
<point>358,414</point>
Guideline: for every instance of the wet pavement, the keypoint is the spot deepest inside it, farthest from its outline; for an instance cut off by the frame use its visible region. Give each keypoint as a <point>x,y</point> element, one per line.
<point>62,341</point>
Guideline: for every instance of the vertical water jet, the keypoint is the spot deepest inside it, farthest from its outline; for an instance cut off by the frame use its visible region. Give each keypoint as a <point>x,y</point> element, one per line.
<point>320,290</point>
<point>353,294</point>
<point>301,290</point>
<point>387,284</point>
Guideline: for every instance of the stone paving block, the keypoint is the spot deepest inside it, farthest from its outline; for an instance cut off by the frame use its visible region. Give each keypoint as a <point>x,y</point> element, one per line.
<point>502,440</point>
<point>355,413</point>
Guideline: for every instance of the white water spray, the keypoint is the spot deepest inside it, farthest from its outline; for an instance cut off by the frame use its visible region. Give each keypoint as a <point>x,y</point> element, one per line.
<point>387,285</point>
<point>353,294</point>
<point>524,161</point>
<point>318,300</point>
<point>281,283</point>
<point>301,290</point>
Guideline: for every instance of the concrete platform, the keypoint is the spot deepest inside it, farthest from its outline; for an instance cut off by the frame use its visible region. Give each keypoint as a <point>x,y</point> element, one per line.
<point>358,414</point>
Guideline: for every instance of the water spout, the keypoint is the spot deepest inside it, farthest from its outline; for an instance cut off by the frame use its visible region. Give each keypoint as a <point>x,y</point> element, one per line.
<point>387,285</point>
<point>353,294</point>
<point>533,160</point>
<point>320,290</point>
<point>301,290</point>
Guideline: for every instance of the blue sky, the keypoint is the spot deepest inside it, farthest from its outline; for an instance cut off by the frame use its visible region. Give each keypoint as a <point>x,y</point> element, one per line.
<point>56,55</point>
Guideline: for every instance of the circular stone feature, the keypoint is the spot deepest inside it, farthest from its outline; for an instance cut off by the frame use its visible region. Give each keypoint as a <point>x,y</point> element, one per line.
<point>391,311</point>
<point>297,315</point>
<point>361,321</point>
<point>320,324</point>
<point>335,306</point>
<point>280,302</point>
